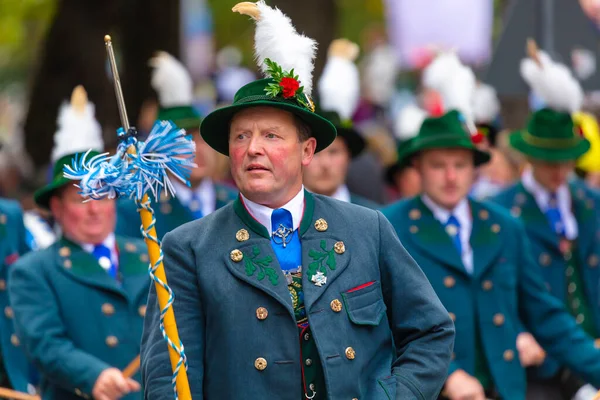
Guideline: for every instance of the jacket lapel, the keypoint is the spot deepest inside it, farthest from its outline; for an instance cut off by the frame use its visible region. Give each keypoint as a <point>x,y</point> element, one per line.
<point>485,239</point>
<point>323,254</point>
<point>428,234</point>
<point>83,267</point>
<point>255,263</point>
<point>536,223</point>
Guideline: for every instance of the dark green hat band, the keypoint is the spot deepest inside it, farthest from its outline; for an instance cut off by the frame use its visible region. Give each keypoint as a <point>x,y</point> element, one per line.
<point>549,143</point>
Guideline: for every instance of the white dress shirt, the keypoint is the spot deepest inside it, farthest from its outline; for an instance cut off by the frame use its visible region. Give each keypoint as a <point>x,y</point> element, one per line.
<point>563,199</point>
<point>263,213</point>
<point>205,191</point>
<point>109,242</point>
<point>462,212</point>
<point>342,193</point>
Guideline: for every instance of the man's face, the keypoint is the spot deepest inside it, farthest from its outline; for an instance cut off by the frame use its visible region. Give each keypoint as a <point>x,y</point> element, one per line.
<point>206,159</point>
<point>446,175</point>
<point>552,175</point>
<point>267,156</point>
<point>328,169</point>
<point>89,222</point>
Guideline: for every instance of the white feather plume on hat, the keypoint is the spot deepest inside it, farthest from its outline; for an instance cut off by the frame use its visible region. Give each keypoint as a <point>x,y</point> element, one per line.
<point>454,81</point>
<point>78,131</point>
<point>552,82</point>
<point>171,81</point>
<point>486,105</point>
<point>276,38</point>
<point>339,86</point>
<point>408,122</point>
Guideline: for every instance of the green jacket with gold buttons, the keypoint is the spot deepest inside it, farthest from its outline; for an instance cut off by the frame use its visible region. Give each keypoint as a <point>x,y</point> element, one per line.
<point>168,211</point>
<point>380,330</point>
<point>546,252</point>
<point>19,371</point>
<point>504,295</point>
<point>74,319</point>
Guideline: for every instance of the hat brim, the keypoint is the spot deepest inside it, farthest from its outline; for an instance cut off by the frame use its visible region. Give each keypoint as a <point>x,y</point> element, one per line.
<point>215,126</point>
<point>449,142</point>
<point>559,154</point>
<point>42,196</point>
<point>355,142</point>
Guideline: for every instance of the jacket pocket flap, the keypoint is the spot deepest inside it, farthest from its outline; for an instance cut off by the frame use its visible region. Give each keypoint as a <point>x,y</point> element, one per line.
<point>365,306</point>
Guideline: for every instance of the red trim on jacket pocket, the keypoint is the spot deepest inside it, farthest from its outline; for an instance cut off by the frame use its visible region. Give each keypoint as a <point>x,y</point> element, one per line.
<point>364,285</point>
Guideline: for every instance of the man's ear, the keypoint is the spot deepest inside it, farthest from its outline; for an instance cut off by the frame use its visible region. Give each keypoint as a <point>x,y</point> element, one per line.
<point>308,150</point>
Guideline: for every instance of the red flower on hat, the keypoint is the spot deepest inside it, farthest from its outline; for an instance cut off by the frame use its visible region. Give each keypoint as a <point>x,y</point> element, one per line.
<point>289,86</point>
<point>477,137</point>
<point>578,130</point>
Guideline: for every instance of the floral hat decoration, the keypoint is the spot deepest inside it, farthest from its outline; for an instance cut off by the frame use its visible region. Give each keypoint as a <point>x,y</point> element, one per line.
<point>286,58</point>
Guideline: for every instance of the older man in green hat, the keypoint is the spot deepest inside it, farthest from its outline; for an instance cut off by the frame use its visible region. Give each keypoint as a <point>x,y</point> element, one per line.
<point>175,92</point>
<point>478,259</point>
<point>298,296</point>
<point>560,213</point>
<point>79,304</point>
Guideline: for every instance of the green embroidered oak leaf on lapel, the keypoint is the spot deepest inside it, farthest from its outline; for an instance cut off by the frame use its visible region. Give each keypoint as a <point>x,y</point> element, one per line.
<point>253,263</point>
<point>321,260</point>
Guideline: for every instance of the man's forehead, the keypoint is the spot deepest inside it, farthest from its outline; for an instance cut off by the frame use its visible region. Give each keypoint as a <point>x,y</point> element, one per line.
<point>262,116</point>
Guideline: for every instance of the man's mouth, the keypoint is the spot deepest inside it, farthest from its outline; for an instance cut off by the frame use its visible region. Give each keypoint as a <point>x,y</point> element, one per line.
<point>256,167</point>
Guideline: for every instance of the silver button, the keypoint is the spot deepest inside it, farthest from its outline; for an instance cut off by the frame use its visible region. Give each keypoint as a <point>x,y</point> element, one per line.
<point>572,288</point>
<point>580,318</point>
<point>308,362</point>
<point>104,262</point>
<point>306,336</point>
<point>570,271</point>
<point>312,387</point>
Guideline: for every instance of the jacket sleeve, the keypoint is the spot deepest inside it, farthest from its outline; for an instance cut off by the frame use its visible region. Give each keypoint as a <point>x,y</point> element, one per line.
<point>40,326</point>
<point>551,324</point>
<point>180,266</point>
<point>422,329</point>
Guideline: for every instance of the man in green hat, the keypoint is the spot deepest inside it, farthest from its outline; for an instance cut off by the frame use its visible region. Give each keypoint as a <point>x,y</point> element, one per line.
<point>298,295</point>
<point>478,259</point>
<point>339,91</point>
<point>561,214</point>
<point>175,91</point>
<point>79,304</point>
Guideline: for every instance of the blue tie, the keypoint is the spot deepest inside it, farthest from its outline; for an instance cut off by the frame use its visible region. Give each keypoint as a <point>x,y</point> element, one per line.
<point>195,206</point>
<point>102,254</point>
<point>453,229</point>
<point>554,217</point>
<point>285,240</point>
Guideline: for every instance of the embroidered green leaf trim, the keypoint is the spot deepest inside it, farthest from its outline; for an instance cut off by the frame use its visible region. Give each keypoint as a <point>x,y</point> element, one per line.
<point>322,259</point>
<point>253,263</point>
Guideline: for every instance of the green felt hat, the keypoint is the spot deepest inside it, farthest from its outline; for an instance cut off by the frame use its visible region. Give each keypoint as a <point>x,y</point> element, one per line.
<point>550,136</point>
<point>185,117</point>
<point>345,130</point>
<point>445,132</point>
<point>215,126</point>
<point>42,196</point>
